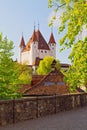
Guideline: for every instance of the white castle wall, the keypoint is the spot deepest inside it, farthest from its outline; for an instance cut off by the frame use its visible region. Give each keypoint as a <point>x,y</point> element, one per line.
<point>34,51</point>
<point>43,53</point>
<point>25,57</point>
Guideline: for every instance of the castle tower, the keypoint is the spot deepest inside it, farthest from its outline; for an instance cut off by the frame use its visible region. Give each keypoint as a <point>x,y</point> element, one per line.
<point>52,45</point>
<point>22,46</point>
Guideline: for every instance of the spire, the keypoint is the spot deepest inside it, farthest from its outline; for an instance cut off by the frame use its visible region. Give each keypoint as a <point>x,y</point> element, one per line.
<point>22,43</point>
<point>34,26</point>
<point>34,38</point>
<point>52,40</point>
<point>38,25</point>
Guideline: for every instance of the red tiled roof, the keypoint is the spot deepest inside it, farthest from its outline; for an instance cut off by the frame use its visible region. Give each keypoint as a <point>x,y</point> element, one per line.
<point>24,87</point>
<point>37,36</point>
<point>42,44</point>
<point>51,40</point>
<point>53,74</point>
<point>22,43</point>
<point>32,39</point>
<point>36,79</point>
<point>54,77</point>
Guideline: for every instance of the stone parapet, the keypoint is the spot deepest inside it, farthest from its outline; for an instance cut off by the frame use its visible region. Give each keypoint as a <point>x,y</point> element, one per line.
<point>12,111</point>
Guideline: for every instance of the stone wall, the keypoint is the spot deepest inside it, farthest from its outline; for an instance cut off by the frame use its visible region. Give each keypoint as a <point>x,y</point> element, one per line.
<point>13,111</point>
<point>6,112</point>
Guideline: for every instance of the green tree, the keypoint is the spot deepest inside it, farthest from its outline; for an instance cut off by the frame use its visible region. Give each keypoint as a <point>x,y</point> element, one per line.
<point>73,19</point>
<point>73,22</point>
<point>25,73</point>
<point>9,71</point>
<point>77,74</point>
<point>8,74</point>
<point>45,65</point>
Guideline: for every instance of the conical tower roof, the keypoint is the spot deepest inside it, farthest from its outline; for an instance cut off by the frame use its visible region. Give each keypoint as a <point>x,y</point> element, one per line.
<point>51,40</point>
<point>22,43</point>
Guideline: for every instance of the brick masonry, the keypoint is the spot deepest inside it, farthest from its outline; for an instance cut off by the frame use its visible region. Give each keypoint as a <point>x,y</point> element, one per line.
<point>12,111</point>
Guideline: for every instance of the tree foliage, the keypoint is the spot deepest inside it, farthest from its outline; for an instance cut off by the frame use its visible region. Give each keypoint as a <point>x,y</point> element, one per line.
<point>45,65</point>
<point>25,73</point>
<point>77,74</point>
<point>9,71</point>
<point>73,19</point>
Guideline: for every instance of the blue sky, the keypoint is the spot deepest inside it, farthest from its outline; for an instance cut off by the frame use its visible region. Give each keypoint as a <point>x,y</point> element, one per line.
<point>17,16</point>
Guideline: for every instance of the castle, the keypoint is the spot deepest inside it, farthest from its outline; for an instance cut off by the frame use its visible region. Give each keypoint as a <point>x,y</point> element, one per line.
<point>36,48</point>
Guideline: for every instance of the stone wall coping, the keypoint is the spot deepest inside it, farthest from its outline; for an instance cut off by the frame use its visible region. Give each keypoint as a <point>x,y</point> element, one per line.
<point>71,94</point>
<point>32,98</point>
<point>25,99</point>
<point>46,97</point>
<point>5,101</point>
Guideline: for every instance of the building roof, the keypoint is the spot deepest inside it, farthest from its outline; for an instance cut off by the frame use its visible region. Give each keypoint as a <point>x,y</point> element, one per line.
<point>32,39</point>
<point>42,44</point>
<point>51,40</point>
<point>37,36</point>
<point>49,84</point>
<point>22,43</point>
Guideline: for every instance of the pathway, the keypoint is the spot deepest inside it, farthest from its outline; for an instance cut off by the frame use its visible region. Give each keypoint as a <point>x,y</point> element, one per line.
<point>68,120</point>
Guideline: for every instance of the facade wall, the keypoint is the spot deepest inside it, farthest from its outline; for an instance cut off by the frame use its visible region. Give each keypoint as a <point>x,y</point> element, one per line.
<point>12,111</point>
<point>34,52</point>
<point>52,50</point>
<point>25,57</point>
<point>43,53</point>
